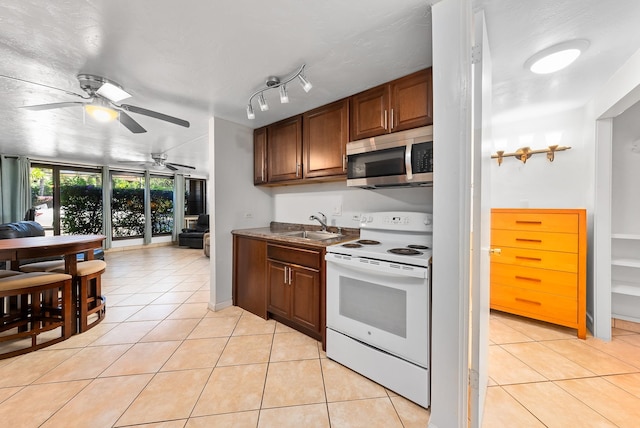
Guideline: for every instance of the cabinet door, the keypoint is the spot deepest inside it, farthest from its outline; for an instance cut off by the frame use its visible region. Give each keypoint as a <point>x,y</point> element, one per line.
<point>412,101</point>
<point>249,275</point>
<point>305,297</point>
<point>260,156</point>
<point>369,113</point>
<point>279,294</point>
<point>326,133</point>
<point>284,150</point>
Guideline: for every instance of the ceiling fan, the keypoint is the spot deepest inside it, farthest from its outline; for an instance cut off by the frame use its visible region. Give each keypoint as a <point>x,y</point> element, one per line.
<point>159,160</point>
<point>101,102</point>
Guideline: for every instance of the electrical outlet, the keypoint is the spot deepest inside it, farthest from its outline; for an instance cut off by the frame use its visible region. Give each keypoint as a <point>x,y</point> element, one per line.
<point>337,210</point>
<point>355,217</point>
<point>248,214</point>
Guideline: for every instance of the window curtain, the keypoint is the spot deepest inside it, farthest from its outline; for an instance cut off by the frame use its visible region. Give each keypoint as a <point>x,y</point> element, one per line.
<point>106,207</point>
<point>15,192</point>
<point>148,232</point>
<point>178,205</point>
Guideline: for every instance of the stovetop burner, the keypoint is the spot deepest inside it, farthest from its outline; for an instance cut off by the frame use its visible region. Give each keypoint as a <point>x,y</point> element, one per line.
<point>368,242</point>
<point>352,245</point>
<point>405,251</point>
<point>418,247</point>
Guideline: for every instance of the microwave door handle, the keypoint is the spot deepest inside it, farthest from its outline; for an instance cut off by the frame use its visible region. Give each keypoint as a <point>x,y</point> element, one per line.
<point>407,161</point>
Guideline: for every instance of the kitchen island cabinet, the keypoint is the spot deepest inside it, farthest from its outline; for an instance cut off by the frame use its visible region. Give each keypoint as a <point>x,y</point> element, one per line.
<point>401,104</point>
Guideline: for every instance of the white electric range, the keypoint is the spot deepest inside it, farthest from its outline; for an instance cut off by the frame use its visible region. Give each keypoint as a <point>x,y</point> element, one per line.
<point>378,302</point>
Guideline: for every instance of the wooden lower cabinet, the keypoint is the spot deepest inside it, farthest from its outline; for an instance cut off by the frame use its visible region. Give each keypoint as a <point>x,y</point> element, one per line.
<point>249,274</point>
<point>538,264</point>
<point>286,283</point>
<point>294,292</point>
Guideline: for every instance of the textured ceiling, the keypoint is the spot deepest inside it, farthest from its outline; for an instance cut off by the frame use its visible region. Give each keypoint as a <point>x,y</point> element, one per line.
<point>196,59</point>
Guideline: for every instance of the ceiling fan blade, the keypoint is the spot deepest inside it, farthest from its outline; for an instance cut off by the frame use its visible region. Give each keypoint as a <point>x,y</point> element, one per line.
<point>171,167</point>
<point>128,122</point>
<point>45,86</point>
<point>53,105</point>
<point>155,115</point>
<point>179,165</point>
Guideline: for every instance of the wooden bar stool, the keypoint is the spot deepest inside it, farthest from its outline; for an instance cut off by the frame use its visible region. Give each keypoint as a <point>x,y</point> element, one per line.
<point>88,293</point>
<point>34,317</point>
<point>48,266</point>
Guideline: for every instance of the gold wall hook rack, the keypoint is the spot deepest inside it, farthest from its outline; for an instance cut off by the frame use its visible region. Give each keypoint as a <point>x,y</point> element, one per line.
<point>524,153</point>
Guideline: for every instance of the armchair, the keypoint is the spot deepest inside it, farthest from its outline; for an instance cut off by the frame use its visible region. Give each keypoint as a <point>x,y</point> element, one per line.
<point>194,237</point>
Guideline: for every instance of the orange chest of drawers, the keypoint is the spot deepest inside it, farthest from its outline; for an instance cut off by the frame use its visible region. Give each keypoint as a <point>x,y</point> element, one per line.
<point>539,264</point>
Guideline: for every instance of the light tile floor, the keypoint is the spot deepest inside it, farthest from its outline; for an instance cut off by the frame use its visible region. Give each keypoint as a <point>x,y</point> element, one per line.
<point>161,358</point>
<point>541,375</point>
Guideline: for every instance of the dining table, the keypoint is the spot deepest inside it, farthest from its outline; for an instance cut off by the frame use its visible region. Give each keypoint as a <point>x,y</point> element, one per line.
<point>68,246</point>
<point>14,250</point>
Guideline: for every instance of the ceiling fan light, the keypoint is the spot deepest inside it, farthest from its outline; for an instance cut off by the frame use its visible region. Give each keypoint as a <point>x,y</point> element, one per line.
<point>101,113</point>
<point>556,57</point>
<point>112,92</point>
<point>263,104</point>
<point>250,114</point>
<point>284,96</point>
<point>306,85</point>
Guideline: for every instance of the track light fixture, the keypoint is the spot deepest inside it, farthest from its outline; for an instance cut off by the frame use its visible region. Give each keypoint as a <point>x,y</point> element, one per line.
<point>277,82</point>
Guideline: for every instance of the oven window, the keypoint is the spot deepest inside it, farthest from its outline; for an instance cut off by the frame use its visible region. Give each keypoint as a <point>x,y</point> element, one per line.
<point>379,163</point>
<point>381,307</point>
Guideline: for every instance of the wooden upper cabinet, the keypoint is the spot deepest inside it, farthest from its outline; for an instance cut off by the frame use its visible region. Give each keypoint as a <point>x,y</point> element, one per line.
<point>401,104</point>
<point>412,101</point>
<point>326,133</point>
<point>369,113</point>
<point>260,156</point>
<point>284,150</point>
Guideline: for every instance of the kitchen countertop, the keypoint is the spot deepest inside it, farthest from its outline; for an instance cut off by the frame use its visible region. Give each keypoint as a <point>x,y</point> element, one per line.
<point>274,232</point>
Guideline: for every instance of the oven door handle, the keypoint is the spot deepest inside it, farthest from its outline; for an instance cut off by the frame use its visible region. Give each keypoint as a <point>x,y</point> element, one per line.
<point>385,268</point>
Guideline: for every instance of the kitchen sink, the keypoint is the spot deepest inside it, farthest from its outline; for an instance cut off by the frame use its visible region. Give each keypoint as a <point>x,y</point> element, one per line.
<point>315,235</point>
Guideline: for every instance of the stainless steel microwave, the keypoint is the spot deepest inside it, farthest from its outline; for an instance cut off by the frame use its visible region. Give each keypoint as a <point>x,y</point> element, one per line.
<point>402,158</point>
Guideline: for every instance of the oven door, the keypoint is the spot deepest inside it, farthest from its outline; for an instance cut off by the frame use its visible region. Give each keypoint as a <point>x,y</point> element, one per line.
<point>383,304</point>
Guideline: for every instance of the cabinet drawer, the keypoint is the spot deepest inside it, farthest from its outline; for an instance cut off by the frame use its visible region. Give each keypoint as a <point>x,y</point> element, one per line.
<point>539,222</point>
<point>297,256</point>
<point>536,304</point>
<point>566,242</point>
<point>553,260</point>
<point>543,280</point>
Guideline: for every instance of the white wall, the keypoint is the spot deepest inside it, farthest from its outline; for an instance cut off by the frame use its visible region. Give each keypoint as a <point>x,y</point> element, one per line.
<point>232,194</point>
<point>563,183</point>
<point>625,203</point>
<point>294,204</point>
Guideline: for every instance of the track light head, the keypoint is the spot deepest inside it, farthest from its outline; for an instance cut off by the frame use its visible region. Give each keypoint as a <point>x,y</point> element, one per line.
<point>284,96</point>
<point>250,114</point>
<point>263,103</point>
<point>306,85</point>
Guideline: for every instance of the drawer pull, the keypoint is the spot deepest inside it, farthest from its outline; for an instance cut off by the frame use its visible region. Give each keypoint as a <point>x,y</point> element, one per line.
<point>528,222</point>
<point>539,241</point>
<point>535,259</point>
<point>533,302</point>
<point>524,278</point>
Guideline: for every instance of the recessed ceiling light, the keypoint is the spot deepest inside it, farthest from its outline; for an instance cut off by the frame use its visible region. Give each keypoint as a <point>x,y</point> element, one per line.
<point>556,57</point>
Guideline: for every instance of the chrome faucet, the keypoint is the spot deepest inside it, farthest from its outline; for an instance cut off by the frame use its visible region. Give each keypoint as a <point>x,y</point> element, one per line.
<point>322,221</point>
